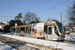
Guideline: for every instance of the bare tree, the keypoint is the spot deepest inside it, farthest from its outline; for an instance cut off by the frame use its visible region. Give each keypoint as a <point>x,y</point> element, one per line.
<point>26,17</point>
<point>71,15</point>
<point>30,18</point>
<point>71,12</point>
<point>50,19</point>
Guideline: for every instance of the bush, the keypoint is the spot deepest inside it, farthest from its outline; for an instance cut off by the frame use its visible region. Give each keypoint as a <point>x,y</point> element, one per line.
<point>1,30</point>
<point>6,28</point>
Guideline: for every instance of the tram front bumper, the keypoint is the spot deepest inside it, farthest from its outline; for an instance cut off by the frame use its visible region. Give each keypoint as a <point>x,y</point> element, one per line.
<point>58,38</point>
<point>61,38</point>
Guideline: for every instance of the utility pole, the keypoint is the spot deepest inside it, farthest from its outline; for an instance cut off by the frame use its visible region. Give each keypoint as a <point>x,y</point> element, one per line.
<point>61,16</point>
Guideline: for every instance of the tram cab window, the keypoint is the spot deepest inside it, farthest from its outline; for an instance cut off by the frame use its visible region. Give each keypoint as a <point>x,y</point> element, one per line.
<point>60,27</point>
<point>56,31</point>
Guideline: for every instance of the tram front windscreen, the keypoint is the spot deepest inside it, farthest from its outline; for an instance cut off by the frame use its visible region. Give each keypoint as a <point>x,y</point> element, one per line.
<point>60,27</point>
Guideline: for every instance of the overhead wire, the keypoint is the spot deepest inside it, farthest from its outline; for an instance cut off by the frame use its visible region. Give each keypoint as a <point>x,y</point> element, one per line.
<point>9,7</point>
<point>38,11</point>
<point>52,7</point>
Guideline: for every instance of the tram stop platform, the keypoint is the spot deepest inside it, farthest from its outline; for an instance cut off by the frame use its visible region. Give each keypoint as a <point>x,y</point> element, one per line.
<point>42,43</point>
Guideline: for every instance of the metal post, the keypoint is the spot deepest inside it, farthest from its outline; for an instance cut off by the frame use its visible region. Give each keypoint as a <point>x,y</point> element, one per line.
<point>25,31</point>
<point>61,16</point>
<point>19,31</point>
<point>72,25</point>
<point>15,30</point>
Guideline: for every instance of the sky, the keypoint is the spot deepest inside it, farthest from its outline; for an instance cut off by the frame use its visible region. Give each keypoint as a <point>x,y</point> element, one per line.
<point>42,8</point>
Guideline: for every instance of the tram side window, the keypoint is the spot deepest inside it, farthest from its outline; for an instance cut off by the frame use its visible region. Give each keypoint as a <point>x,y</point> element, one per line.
<point>29,30</point>
<point>13,29</point>
<point>45,29</point>
<point>17,30</point>
<point>26,29</point>
<point>56,31</point>
<point>23,29</point>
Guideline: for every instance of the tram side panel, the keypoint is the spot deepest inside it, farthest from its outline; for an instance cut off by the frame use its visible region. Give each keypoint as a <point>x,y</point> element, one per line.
<point>50,32</point>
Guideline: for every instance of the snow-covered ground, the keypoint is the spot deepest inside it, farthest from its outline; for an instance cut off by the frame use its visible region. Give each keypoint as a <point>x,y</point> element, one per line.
<point>4,46</point>
<point>70,37</point>
<point>19,45</point>
<point>64,46</point>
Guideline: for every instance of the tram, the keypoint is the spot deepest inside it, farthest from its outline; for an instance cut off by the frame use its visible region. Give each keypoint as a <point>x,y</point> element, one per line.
<point>66,29</point>
<point>52,30</point>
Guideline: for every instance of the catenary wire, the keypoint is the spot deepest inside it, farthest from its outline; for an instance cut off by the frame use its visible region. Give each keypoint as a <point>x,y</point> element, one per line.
<point>52,7</point>
<point>8,7</point>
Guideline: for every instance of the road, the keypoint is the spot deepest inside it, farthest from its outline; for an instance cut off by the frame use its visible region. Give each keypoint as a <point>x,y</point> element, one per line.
<point>73,33</point>
<point>70,37</point>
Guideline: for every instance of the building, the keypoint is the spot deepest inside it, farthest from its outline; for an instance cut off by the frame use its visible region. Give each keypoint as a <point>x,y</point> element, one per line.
<point>2,24</point>
<point>6,22</point>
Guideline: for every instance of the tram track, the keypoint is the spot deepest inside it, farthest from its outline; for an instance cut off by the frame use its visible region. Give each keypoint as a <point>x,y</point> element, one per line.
<point>16,44</point>
<point>7,41</point>
<point>20,45</point>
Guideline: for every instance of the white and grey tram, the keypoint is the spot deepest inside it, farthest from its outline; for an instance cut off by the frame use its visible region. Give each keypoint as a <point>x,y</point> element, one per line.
<point>52,30</point>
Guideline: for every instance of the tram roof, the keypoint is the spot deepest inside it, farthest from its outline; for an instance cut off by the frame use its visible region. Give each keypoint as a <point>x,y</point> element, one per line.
<point>47,23</point>
<point>29,25</point>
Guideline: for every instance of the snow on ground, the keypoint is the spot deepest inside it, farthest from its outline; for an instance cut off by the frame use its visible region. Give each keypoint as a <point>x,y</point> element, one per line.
<point>4,46</point>
<point>19,45</point>
<point>23,46</point>
<point>70,37</point>
<point>64,46</point>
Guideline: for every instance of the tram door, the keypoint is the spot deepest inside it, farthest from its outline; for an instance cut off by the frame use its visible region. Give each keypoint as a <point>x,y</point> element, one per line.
<point>49,32</point>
